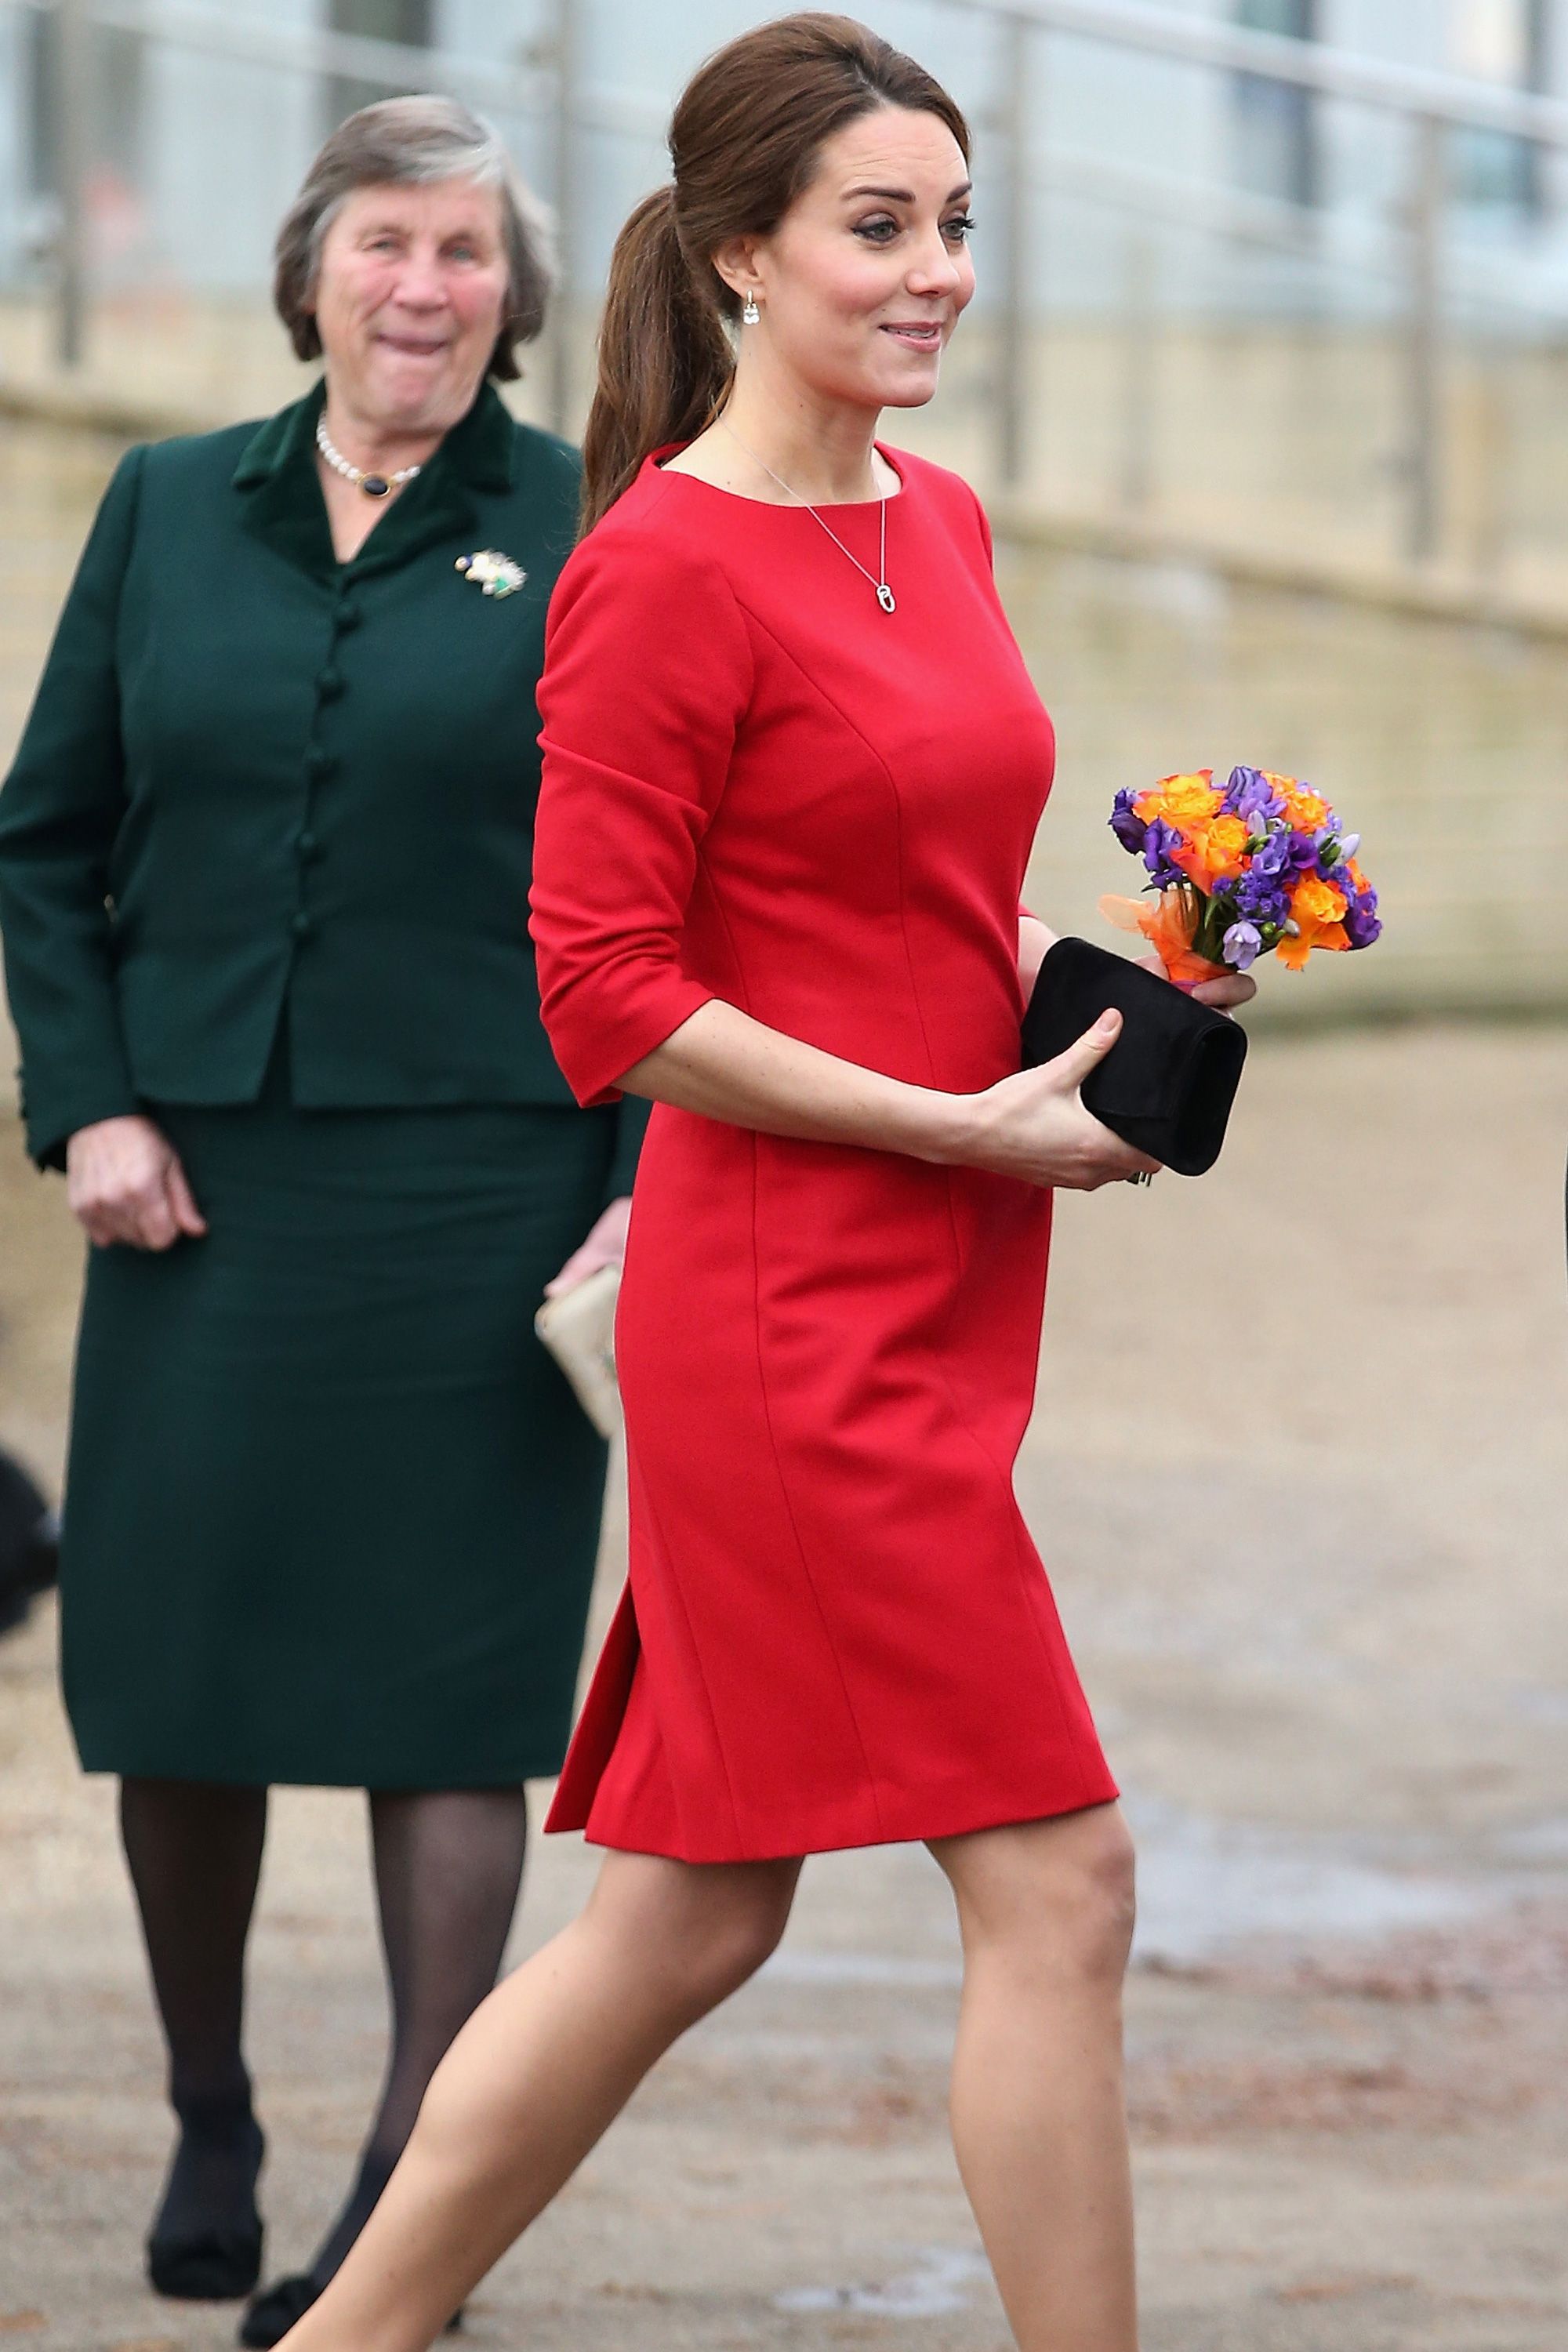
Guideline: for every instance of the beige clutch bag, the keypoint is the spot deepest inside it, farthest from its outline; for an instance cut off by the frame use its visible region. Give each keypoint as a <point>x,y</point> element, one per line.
<point>579,1330</point>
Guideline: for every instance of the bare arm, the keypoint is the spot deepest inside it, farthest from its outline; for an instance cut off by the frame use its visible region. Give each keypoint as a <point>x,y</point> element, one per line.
<point>725,1065</point>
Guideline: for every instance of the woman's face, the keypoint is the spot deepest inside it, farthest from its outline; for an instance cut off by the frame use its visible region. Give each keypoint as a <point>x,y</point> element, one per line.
<point>862,283</point>
<point>409,299</point>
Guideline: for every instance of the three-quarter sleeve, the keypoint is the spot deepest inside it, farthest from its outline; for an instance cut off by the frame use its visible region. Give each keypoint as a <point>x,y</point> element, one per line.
<point>61,810</point>
<point>648,672</point>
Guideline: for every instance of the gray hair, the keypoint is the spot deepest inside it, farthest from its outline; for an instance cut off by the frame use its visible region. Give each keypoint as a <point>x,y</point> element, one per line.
<point>403,142</point>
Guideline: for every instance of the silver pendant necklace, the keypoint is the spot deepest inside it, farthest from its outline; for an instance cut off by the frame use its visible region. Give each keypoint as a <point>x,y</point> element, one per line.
<point>885,596</point>
<point>375,486</point>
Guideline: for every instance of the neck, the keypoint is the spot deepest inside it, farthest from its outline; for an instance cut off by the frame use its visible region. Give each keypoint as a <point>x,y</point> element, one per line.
<point>373,444</point>
<point>823,448</point>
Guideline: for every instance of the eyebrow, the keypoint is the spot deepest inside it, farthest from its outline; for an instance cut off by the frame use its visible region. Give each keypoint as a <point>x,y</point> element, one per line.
<point>907,196</point>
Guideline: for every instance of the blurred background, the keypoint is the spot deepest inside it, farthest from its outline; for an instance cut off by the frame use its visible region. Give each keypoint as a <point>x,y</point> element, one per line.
<point>1267,388</point>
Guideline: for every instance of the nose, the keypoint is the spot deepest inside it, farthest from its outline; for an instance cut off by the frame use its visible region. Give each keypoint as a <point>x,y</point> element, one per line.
<point>419,284</point>
<point>936,269</point>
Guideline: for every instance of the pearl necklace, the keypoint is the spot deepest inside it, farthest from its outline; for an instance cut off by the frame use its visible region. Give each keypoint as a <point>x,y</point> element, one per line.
<point>375,486</point>
<point>884,594</point>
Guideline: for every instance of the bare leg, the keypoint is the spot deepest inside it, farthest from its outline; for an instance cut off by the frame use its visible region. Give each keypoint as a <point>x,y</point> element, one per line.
<point>535,2078</point>
<point>1038,2118</point>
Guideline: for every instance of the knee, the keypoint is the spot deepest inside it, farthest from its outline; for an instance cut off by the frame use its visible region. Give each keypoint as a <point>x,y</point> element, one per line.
<point>697,1930</point>
<point>1061,1904</point>
<point>739,1931</point>
<point>1098,1907</point>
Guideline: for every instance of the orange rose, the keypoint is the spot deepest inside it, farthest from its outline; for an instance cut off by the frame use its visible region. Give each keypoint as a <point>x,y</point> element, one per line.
<point>1315,902</point>
<point>1181,801</point>
<point>1213,850</point>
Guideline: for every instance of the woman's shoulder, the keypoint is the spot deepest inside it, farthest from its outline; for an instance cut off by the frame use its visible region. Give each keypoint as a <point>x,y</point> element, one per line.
<point>545,461</point>
<point>944,494</point>
<point>655,534</point>
<point>653,574</point>
<point>188,458</point>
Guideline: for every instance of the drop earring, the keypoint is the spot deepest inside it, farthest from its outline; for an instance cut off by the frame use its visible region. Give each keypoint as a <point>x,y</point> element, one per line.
<point>750,314</point>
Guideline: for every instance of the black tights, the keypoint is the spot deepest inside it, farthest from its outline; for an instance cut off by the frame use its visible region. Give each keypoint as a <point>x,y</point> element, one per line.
<point>448,1863</point>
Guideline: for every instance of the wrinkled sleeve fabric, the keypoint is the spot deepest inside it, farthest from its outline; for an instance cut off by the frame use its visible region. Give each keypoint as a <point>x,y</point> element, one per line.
<point>61,811</point>
<point>648,674</point>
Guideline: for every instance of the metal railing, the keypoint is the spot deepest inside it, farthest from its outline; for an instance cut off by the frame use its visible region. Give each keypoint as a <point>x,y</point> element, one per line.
<point>547,81</point>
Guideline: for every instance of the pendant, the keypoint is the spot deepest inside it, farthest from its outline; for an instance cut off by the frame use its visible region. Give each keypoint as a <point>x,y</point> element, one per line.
<point>376,486</point>
<point>885,598</point>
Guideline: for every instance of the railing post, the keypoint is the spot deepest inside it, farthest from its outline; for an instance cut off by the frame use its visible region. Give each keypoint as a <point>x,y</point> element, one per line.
<point>73,151</point>
<point>564,44</point>
<point>1423,454</point>
<point>1013,314</point>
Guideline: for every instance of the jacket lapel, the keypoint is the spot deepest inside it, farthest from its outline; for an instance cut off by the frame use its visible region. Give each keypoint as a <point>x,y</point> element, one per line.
<point>283,505</point>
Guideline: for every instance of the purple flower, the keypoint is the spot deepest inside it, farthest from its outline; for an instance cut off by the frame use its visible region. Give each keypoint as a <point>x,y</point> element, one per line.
<point>1242,944</point>
<point>1260,900</point>
<point>1128,827</point>
<point>1274,857</point>
<point>1360,918</point>
<point>1159,842</point>
<point>1300,852</point>
<point>1250,795</point>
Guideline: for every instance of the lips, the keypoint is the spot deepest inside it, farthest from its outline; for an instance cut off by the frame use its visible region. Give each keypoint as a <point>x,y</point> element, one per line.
<point>921,334</point>
<point>411,347</point>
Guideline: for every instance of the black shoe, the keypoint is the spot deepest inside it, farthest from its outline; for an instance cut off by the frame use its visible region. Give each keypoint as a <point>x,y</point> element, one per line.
<point>206,2244</point>
<point>276,2309</point>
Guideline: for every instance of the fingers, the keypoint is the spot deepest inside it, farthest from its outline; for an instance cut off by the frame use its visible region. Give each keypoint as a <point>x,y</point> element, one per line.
<point>578,1267</point>
<point>1110,1160</point>
<point>128,1187</point>
<point>1225,995</point>
<point>188,1218</point>
<point>605,1246</point>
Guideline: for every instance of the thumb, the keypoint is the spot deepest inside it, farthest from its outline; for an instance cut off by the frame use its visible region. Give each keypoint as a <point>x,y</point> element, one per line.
<point>1090,1049</point>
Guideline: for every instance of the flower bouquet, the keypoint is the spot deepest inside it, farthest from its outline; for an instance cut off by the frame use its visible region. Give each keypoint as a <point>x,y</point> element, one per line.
<point>1263,864</point>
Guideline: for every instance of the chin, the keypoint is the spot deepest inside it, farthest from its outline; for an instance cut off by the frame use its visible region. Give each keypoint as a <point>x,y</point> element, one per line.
<point>908,395</point>
<point>417,399</point>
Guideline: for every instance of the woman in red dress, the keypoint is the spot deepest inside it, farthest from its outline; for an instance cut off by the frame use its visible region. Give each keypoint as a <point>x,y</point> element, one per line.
<point>794,766</point>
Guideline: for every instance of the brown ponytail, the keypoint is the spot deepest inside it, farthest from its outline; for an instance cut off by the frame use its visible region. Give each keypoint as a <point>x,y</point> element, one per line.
<point>743,140</point>
<point>664,358</point>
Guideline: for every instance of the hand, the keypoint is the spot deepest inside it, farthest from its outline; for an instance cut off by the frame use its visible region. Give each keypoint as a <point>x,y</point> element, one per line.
<point>1224,994</point>
<point>124,1181</point>
<point>605,1246</point>
<point>1035,1126</point>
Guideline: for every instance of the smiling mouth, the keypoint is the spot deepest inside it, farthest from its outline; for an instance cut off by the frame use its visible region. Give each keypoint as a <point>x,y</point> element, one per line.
<point>411,347</point>
<point>922,334</point>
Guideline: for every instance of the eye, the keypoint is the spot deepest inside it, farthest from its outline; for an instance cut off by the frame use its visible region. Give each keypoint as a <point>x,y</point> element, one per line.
<point>880,231</point>
<point>960,229</point>
<point>463,251</point>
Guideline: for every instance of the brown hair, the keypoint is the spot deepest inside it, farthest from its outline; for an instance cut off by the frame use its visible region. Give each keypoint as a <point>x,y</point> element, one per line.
<point>743,140</point>
<point>403,142</point>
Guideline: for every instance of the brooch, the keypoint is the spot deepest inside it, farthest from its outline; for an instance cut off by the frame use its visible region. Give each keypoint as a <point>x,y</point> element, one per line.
<point>496,573</point>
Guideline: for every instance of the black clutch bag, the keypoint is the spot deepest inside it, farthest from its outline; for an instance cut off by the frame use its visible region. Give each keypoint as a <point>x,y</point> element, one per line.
<point>1167,1084</point>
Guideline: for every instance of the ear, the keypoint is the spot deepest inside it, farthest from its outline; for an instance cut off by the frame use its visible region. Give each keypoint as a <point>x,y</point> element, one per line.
<point>736,263</point>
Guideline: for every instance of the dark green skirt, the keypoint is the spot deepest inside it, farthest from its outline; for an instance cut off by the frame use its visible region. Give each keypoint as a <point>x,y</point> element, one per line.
<point>331,1511</point>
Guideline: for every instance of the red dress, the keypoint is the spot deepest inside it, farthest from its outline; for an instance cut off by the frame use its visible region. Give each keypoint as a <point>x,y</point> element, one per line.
<point>759,786</point>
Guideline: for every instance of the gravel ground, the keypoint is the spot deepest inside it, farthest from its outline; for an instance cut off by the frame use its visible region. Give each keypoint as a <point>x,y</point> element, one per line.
<point>1292,1471</point>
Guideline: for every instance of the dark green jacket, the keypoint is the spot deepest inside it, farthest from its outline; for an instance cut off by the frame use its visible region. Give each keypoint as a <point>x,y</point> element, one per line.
<point>254,775</point>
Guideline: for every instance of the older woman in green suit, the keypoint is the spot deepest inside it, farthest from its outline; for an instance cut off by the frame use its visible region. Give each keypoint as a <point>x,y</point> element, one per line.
<point>264,868</point>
